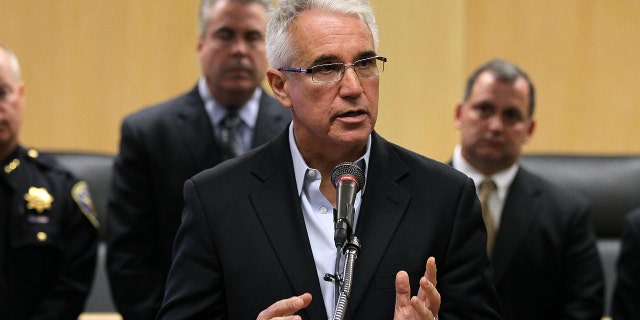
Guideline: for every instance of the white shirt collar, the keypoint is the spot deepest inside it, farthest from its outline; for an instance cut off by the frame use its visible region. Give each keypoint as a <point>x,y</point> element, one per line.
<point>300,166</point>
<point>247,112</point>
<point>503,179</point>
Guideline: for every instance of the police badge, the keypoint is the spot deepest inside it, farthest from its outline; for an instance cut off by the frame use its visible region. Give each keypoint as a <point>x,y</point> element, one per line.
<point>38,199</point>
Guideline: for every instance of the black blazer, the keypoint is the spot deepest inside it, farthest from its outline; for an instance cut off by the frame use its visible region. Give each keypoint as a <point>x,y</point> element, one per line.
<point>545,260</point>
<point>160,147</point>
<point>242,243</point>
<point>626,295</point>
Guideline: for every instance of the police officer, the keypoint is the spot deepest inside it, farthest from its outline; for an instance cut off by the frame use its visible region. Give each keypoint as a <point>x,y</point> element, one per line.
<point>48,227</point>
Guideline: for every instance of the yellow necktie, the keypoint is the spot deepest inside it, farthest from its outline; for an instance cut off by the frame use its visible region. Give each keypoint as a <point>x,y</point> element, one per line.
<point>486,188</point>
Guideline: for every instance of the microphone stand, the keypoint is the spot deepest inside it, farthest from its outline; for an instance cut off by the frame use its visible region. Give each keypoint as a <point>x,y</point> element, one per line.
<point>348,179</point>
<point>351,250</point>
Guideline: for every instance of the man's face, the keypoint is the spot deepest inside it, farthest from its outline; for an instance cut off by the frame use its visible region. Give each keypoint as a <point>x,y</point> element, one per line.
<point>232,51</point>
<point>494,123</point>
<point>11,105</point>
<point>337,117</point>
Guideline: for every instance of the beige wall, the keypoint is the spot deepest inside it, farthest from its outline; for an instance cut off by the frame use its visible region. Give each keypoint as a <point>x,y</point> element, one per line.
<point>89,63</point>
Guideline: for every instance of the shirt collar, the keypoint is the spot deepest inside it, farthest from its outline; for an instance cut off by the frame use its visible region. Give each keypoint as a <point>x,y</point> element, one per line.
<point>300,166</point>
<point>503,179</point>
<point>247,112</point>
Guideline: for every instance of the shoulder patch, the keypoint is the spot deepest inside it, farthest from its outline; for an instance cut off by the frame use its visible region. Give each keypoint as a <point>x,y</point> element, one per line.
<point>81,195</point>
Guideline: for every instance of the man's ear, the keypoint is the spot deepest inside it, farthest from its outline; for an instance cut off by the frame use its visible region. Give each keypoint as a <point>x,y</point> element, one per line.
<point>530,130</point>
<point>279,85</point>
<point>457,115</point>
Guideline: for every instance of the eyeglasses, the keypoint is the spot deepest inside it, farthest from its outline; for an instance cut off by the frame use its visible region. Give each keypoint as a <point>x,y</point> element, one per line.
<point>333,72</point>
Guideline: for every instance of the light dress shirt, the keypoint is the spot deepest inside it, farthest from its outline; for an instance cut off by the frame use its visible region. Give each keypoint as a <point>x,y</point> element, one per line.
<point>248,113</point>
<point>503,180</point>
<point>318,218</point>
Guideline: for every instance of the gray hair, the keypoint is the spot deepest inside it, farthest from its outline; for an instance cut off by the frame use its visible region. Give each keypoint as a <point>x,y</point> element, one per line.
<point>205,8</point>
<point>13,61</point>
<point>504,71</point>
<point>281,49</point>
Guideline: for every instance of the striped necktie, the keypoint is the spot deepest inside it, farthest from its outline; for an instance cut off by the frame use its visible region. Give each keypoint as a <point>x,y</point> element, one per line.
<point>230,137</point>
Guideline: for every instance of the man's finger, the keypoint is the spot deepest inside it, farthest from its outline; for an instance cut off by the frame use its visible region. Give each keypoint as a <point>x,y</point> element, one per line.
<point>432,271</point>
<point>403,290</point>
<point>286,307</point>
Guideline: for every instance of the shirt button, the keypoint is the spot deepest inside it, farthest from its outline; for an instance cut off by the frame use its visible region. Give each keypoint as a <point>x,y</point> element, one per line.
<point>323,210</point>
<point>312,173</point>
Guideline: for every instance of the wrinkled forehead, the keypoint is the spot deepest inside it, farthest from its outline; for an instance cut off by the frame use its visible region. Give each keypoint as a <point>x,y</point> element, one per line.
<point>320,33</point>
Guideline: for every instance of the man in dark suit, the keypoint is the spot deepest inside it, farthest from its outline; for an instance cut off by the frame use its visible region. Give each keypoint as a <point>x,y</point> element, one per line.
<point>163,145</point>
<point>627,290</point>
<point>541,241</point>
<point>257,233</point>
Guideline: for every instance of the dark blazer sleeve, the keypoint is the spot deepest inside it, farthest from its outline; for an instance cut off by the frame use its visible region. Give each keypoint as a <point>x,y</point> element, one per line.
<point>195,287</point>
<point>160,147</point>
<point>133,262</point>
<point>626,296</point>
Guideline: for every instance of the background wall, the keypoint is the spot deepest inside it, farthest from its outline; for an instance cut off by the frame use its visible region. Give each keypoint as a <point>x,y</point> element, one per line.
<point>87,64</point>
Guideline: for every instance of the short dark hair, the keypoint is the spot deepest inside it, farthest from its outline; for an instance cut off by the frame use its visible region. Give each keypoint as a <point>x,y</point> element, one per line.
<point>504,71</point>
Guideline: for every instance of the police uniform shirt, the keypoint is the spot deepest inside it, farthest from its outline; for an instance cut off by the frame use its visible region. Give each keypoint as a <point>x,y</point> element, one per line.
<point>48,238</point>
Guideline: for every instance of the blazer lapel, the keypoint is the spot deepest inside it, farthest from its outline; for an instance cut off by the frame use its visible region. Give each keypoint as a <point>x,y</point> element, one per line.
<point>384,203</point>
<point>278,208</point>
<point>196,131</point>
<point>272,117</point>
<point>515,222</point>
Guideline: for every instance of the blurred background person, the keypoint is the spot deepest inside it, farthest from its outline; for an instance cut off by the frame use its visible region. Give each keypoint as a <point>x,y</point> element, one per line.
<point>48,228</point>
<point>161,146</point>
<point>626,294</point>
<point>540,240</point>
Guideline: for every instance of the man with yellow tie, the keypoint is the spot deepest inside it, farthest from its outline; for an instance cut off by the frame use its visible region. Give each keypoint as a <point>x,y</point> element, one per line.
<point>545,264</point>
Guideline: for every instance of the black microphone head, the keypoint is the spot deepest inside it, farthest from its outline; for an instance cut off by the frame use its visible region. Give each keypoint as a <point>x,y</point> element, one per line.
<point>347,169</point>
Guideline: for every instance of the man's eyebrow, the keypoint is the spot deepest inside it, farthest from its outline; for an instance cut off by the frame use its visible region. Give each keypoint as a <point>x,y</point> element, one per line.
<point>323,59</point>
<point>366,54</point>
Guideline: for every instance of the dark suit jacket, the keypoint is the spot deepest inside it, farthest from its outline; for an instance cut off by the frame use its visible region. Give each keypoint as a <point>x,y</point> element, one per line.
<point>160,147</point>
<point>545,260</point>
<point>626,296</point>
<point>242,243</point>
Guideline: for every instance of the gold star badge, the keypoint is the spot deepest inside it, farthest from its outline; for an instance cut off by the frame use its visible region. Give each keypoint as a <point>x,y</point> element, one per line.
<point>38,199</point>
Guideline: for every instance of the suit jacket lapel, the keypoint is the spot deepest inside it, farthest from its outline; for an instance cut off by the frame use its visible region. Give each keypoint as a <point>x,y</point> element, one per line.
<point>286,228</point>
<point>516,220</point>
<point>384,203</point>
<point>196,131</point>
<point>271,117</point>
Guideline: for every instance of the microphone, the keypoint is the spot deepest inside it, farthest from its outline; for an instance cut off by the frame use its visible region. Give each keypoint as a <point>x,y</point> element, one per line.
<point>348,179</point>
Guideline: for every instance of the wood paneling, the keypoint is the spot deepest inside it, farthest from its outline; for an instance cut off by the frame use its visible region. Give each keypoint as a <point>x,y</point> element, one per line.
<point>87,64</point>
<point>582,56</point>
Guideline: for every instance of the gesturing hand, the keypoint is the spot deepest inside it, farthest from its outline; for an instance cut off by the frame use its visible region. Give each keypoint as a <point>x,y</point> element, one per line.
<point>426,304</point>
<point>284,309</point>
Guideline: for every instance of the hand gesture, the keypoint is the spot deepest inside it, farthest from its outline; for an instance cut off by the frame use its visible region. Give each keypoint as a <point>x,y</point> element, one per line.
<point>426,304</point>
<point>285,308</point>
